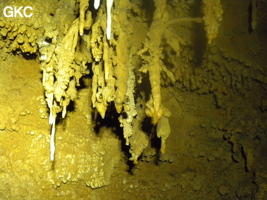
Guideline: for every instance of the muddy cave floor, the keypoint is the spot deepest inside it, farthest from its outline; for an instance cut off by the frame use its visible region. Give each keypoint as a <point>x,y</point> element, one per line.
<point>198,163</point>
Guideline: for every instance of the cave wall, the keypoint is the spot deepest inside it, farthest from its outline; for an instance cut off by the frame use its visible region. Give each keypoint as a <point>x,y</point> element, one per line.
<point>202,71</point>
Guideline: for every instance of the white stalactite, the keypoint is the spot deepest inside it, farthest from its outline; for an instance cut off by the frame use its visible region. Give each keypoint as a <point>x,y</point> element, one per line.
<point>52,141</point>
<point>109,16</point>
<point>96,4</point>
<point>109,4</point>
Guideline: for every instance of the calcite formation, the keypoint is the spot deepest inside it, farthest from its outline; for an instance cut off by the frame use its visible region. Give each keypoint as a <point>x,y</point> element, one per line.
<point>98,41</point>
<point>61,74</point>
<point>212,18</point>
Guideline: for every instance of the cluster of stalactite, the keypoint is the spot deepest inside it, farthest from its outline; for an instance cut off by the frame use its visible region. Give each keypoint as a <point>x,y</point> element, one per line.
<point>108,46</point>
